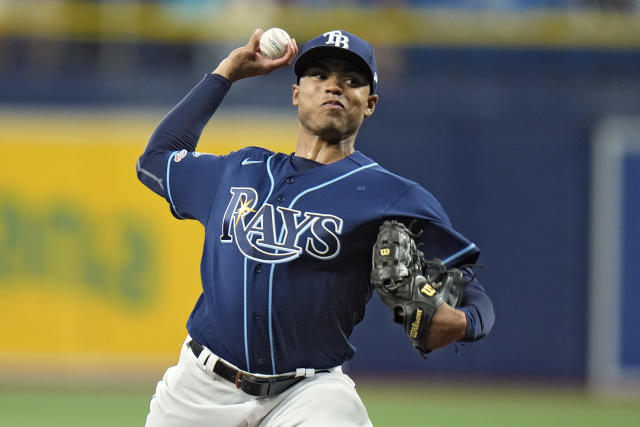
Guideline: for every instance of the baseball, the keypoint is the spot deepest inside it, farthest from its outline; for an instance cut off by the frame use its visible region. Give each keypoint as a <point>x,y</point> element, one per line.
<point>273,43</point>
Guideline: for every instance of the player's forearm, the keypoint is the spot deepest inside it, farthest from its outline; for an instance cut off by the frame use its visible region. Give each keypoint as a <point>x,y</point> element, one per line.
<point>182,127</point>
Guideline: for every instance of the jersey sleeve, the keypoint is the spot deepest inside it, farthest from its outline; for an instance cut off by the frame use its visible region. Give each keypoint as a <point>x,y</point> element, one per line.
<point>477,307</point>
<point>439,239</point>
<point>187,180</point>
<point>192,181</point>
<point>170,166</point>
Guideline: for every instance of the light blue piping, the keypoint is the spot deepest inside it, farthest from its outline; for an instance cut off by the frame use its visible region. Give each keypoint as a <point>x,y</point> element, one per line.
<point>270,178</point>
<point>309,190</point>
<point>169,186</point>
<point>273,359</point>
<point>459,253</point>
<point>295,199</point>
<point>246,336</point>
<point>246,333</point>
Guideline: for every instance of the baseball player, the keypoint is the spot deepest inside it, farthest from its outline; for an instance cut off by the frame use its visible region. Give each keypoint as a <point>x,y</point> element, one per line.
<point>287,257</point>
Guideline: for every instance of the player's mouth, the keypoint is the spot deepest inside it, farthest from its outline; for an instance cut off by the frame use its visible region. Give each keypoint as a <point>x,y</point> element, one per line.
<point>334,104</point>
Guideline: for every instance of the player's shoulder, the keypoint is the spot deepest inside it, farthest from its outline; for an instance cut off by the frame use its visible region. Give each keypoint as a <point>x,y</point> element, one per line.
<point>247,155</point>
<point>396,186</point>
<point>376,172</point>
<point>252,151</point>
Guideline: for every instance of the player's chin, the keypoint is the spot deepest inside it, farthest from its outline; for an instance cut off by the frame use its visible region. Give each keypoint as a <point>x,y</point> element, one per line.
<point>332,132</point>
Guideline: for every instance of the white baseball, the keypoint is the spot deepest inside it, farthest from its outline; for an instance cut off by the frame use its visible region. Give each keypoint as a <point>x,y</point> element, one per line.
<point>273,43</point>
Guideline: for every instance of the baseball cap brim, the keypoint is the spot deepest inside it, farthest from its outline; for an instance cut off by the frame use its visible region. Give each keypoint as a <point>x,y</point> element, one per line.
<point>321,52</point>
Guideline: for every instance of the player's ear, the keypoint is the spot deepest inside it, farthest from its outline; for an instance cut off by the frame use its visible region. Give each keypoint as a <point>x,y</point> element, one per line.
<point>371,105</point>
<point>294,96</point>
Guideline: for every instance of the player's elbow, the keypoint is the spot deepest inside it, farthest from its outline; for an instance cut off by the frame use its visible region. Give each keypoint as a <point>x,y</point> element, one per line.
<point>139,168</point>
<point>149,169</point>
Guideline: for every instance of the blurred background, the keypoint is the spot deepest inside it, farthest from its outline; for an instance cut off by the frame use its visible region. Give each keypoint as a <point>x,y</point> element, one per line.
<point>521,116</point>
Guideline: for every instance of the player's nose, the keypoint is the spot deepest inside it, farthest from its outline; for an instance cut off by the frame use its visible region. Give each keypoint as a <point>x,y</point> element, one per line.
<point>332,84</point>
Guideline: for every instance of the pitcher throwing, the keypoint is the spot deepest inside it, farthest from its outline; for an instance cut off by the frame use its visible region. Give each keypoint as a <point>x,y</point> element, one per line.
<point>288,247</point>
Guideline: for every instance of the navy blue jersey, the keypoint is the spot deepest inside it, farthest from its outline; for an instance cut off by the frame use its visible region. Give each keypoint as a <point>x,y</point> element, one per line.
<point>287,250</point>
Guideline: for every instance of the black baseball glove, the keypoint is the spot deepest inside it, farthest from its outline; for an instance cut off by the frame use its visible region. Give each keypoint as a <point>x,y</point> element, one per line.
<point>412,287</point>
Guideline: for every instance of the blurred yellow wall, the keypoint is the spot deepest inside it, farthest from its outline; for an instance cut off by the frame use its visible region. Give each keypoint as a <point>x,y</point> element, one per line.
<point>95,273</point>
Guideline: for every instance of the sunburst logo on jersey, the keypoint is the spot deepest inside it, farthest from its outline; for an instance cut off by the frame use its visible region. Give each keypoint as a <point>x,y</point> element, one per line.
<point>244,209</point>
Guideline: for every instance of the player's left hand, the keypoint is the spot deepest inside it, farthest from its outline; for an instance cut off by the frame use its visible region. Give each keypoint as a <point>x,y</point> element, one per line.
<point>247,61</point>
<point>420,293</point>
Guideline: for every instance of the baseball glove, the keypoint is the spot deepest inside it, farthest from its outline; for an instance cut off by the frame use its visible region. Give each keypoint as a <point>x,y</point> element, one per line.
<point>412,287</point>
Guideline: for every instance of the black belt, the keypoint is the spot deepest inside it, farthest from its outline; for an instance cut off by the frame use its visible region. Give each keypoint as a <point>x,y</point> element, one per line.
<point>250,384</point>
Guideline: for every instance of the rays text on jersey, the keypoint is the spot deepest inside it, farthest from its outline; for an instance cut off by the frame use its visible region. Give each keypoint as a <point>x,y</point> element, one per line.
<point>257,237</point>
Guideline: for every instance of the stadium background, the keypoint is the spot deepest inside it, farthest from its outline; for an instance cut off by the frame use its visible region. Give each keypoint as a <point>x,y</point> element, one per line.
<point>495,106</point>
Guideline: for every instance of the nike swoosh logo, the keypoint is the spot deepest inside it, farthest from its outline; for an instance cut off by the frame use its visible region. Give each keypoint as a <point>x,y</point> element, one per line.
<point>250,162</point>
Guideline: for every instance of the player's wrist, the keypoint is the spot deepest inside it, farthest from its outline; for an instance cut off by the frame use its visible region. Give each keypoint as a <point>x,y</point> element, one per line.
<point>224,69</point>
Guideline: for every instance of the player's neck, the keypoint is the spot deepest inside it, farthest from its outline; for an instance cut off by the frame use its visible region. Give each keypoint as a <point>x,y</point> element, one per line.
<point>314,148</point>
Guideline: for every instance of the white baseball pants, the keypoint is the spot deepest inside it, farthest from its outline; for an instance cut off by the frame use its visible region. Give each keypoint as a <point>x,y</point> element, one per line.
<point>189,396</point>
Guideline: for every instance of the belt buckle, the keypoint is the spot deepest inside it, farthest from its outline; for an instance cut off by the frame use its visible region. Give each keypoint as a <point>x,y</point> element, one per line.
<point>239,380</point>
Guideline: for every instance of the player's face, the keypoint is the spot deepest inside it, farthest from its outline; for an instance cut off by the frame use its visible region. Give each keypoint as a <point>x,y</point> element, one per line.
<point>333,99</point>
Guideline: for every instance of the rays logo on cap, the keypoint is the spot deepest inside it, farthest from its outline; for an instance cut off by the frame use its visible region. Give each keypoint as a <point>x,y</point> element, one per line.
<point>342,44</point>
<point>337,39</point>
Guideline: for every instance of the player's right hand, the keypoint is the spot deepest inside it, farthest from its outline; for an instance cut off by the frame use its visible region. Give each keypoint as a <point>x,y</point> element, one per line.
<point>247,61</point>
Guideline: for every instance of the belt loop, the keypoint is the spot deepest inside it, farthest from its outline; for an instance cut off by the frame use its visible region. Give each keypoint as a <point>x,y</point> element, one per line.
<point>302,372</point>
<point>210,363</point>
<point>239,380</point>
<point>202,358</point>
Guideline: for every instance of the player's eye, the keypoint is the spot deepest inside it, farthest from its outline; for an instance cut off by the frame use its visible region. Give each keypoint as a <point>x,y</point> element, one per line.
<point>315,73</point>
<point>354,81</point>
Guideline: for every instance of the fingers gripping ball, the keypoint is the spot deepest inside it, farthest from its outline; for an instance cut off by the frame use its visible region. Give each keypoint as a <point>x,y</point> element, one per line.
<point>274,42</point>
<point>412,287</point>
